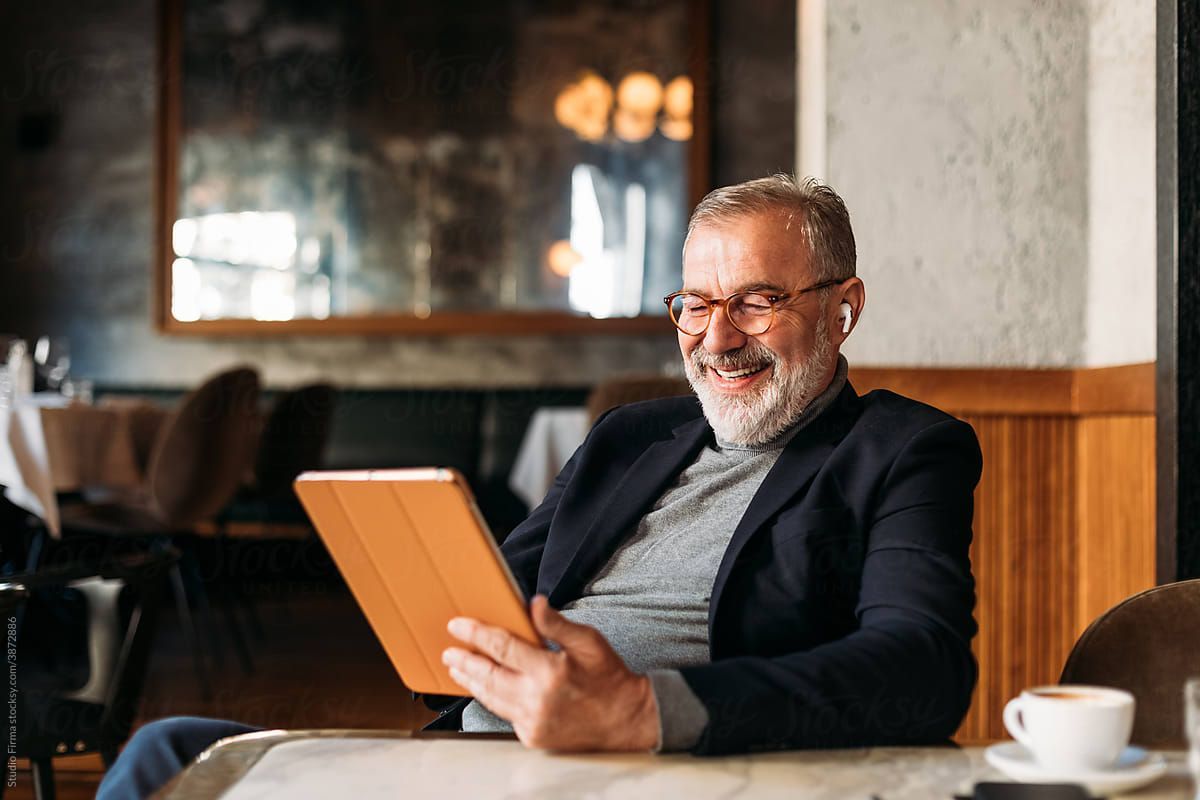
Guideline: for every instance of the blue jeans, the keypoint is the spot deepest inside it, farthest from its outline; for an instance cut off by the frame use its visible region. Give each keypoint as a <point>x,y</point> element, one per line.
<point>158,751</point>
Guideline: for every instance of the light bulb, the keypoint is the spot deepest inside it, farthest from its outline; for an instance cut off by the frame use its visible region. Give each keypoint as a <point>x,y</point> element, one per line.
<point>677,98</point>
<point>562,258</point>
<point>640,93</point>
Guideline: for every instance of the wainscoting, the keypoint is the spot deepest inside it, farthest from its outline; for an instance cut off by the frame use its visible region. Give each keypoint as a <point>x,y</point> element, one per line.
<point>1064,512</point>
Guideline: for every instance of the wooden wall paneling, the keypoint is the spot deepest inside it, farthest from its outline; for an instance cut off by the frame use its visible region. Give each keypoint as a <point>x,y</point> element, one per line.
<point>1064,514</point>
<point>1126,389</point>
<point>1114,390</point>
<point>975,390</point>
<point>1023,559</point>
<point>989,559</point>
<point>1116,511</point>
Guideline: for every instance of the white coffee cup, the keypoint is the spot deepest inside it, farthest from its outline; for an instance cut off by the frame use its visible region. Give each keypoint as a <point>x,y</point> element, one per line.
<point>1072,727</point>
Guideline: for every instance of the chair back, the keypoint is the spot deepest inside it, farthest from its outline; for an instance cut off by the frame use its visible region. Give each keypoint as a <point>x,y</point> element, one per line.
<point>205,448</point>
<point>1145,645</point>
<point>633,389</point>
<point>293,437</point>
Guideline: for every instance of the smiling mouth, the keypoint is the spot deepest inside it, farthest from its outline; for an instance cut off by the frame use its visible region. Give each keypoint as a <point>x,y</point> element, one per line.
<point>735,375</point>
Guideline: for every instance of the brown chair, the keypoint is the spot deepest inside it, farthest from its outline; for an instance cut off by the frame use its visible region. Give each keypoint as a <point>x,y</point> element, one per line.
<point>201,455</point>
<point>205,449</point>
<point>1145,645</point>
<point>633,389</point>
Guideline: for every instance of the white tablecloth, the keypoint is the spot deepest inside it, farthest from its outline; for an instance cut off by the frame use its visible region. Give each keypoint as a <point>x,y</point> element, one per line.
<point>550,440</point>
<point>48,445</point>
<point>25,460</point>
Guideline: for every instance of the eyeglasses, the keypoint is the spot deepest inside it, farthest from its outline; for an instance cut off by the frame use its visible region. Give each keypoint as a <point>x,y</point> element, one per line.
<point>752,313</point>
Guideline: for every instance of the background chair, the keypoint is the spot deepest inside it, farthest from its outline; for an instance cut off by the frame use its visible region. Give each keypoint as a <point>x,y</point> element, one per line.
<point>201,455</point>
<point>1145,645</point>
<point>293,440</point>
<point>84,633</point>
<point>620,391</point>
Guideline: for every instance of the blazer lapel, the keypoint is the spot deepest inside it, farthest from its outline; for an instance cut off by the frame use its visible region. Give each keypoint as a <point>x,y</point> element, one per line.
<point>643,483</point>
<point>797,464</point>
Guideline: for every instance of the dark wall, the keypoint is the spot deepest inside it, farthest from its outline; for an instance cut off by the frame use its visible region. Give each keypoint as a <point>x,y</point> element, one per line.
<point>754,86</point>
<point>78,99</point>
<point>1178,379</point>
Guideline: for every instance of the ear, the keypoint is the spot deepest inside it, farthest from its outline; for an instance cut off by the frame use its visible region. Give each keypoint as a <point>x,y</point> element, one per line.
<point>853,294</point>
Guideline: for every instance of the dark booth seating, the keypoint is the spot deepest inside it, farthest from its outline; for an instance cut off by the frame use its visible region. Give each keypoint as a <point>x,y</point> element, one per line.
<point>476,431</point>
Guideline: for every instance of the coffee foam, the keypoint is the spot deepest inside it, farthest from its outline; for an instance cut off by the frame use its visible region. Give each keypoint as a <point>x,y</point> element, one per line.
<point>1080,696</point>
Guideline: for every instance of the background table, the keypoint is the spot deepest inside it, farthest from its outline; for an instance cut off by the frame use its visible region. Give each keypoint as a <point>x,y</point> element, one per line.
<point>364,765</point>
<point>550,440</point>
<point>49,445</point>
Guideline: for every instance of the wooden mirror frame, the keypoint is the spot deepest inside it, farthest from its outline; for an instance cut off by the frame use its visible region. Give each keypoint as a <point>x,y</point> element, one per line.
<point>167,155</point>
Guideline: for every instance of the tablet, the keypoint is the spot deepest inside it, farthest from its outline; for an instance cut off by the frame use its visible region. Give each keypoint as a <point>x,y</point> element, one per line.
<point>415,552</point>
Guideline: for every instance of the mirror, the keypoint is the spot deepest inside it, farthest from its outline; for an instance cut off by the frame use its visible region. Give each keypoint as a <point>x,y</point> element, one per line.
<point>367,166</point>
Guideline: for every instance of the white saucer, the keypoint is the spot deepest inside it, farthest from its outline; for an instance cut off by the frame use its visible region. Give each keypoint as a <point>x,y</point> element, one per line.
<point>1135,768</point>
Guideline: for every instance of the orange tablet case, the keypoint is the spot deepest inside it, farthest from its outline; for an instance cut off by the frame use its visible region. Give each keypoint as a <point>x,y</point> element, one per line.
<point>415,552</point>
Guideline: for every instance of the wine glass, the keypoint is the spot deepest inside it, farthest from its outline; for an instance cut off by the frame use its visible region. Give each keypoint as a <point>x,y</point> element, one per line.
<point>17,375</point>
<point>7,378</point>
<point>52,355</point>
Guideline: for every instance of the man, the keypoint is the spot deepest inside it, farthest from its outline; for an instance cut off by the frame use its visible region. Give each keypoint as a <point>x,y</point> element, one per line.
<point>774,563</point>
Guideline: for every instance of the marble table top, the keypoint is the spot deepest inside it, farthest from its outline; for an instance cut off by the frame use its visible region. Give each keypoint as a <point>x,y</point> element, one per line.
<point>363,765</point>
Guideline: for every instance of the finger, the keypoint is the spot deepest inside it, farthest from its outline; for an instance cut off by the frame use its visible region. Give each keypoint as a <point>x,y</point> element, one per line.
<point>485,675</point>
<point>493,699</point>
<point>455,656</point>
<point>498,644</point>
<point>553,625</point>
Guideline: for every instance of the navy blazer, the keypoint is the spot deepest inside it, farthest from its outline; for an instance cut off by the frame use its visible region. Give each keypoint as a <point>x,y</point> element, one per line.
<point>841,613</point>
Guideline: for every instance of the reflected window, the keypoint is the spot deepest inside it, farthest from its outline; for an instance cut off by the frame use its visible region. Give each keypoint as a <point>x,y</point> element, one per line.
<point>359,158</point>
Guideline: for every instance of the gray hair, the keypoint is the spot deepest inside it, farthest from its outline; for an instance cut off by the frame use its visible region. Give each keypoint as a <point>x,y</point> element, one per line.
<point>823,218</point>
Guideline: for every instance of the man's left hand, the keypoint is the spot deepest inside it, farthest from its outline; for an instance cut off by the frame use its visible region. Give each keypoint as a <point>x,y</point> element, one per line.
<point>581,697</point>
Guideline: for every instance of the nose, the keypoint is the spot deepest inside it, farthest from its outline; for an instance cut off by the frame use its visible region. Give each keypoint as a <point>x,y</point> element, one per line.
<point>721,336</point>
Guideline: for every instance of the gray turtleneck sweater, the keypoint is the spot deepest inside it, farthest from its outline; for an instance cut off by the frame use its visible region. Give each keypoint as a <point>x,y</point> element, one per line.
<point>651,599</point>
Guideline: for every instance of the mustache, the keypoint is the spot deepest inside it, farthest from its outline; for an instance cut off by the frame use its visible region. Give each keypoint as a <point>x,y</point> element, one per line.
<point>752,354</point>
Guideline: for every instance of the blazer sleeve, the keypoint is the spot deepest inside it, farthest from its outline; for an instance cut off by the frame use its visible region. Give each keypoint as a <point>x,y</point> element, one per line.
<point>906,674</point>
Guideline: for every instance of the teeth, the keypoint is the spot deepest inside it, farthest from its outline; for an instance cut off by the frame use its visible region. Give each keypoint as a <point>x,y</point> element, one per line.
<point>729,376</point>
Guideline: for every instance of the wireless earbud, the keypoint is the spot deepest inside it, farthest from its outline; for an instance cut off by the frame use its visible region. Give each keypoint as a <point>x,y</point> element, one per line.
<point>847,317</point>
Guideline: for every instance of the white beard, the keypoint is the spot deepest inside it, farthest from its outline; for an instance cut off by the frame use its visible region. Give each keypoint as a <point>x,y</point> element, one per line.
<point>768,409</point>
